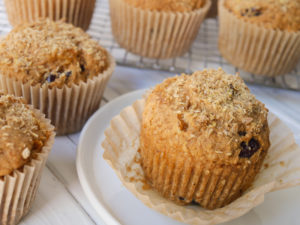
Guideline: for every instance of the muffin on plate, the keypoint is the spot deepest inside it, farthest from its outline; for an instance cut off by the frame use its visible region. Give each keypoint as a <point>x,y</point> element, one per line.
<point>260,37</point>
<point>26,139</point>
<point>157,29</point>
<point>56,67</point>
<point>203,138</point>
<point>78,12</point>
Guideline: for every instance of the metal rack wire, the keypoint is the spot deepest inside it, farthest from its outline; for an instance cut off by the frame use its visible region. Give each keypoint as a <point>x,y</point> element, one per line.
<point>203,54</point>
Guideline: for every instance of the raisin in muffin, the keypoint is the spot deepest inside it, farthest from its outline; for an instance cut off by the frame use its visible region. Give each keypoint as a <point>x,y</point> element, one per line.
<point>165,29</point>
<point>77,12</point>
<point>260,37</point>
<point>26,138</point>
<point>62,68</point>
<point>203,138</point>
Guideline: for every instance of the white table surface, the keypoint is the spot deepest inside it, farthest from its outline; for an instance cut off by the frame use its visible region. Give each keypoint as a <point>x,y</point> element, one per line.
<point>61,200</point>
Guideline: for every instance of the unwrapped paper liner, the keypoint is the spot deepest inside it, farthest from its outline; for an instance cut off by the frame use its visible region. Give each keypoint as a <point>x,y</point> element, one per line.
<point>77,12</point>
<point>18,190</point>
<point>256,49</point>
<point>281,170</point>
<point>68,108</point>
<point>155,34</point>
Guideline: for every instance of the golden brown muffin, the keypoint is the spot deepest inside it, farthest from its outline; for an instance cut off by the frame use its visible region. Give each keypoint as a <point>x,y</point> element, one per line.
<point>53,53</point>
<point>77,12</point>
<point>274,14</point>
<point>168,5</point>
<point>203,138</point>
<point>22,134</point>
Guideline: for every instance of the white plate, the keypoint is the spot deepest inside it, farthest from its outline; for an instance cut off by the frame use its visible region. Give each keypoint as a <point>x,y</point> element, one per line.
<point>116,205</point>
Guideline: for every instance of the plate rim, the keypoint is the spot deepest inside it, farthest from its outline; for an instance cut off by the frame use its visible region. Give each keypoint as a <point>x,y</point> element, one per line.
<point>100,209</point>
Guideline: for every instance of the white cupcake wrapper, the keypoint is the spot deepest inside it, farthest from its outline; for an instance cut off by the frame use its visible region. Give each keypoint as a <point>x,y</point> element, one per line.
<point>256,49</point>
<point>155,34</point>
<point>68,108</point>
<point>77,12</point>
<point>18,190</point>
<point>120,151</point>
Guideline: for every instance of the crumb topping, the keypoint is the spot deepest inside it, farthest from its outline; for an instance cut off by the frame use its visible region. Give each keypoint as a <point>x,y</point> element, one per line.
<point>209,113</point>
<point>52,53</point>
<point>168,5</point>
<point>21,134</point>
<point>275,14</point>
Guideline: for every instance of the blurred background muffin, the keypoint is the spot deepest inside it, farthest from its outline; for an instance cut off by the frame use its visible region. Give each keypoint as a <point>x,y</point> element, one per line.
<point>77,12</point>
<point>167,5</point>
<point>157,29</point>
<point>260,37</point>
<point>58,68</point>
<point>26,139</point>
<point>203,138</point>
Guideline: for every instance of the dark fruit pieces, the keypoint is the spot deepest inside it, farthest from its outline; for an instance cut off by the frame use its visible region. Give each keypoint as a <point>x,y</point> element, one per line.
<point>248,149</point>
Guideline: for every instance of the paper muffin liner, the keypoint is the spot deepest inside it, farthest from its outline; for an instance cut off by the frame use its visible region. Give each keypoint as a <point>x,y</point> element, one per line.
<point>68,108</point>
<point>18,190</point>
<point>205,184</point>
<point>77,12</point>
<point>256,49</point>
<point>281,169</point>
<point>155,34</point>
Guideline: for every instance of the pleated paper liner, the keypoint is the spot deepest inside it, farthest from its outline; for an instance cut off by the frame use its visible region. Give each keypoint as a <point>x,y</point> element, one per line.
<point>205,183</point>
<point>77,12</point>
<point>121,152</point>
<point>18,190</point>
<point>256,49</point>
<point>68,108</point>
<point>155,34</point>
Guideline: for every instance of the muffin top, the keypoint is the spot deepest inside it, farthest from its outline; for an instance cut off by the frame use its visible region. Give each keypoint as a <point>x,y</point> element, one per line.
<point>208,115</point>
<point>22,134</point>
<point>168,5</point>
<point>52,53</point>
<point>274,14</point>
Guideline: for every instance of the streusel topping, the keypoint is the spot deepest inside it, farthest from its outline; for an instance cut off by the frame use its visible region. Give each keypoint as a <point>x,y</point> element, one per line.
<point>207,114</point>
<point>275,14</point>
<point>168,5</point>
<point>52,53</point>
<point>22,135</point>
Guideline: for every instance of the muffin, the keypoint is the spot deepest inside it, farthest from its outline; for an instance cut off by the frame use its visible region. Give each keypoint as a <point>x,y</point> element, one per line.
<point>157,29</point>
<point>26,138</point>
<point>260,37</point>
<point>77,12</point>
<point>56,67</point>
<point>203,138</point>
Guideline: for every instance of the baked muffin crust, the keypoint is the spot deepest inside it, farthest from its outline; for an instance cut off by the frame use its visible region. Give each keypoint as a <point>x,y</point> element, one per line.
<point>203,138</point>
<point>208,105</point>
<point>168,5</point>
<point>274,14</point>
<point>52,53</point>
<point>22,135</point>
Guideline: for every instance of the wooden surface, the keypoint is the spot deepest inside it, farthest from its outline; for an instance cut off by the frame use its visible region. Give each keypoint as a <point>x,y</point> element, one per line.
<point>61,200</point>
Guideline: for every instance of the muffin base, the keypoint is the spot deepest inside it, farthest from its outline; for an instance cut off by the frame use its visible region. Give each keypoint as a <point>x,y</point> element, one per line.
<point>256,49</point>
<point>121,152</point>
<point>18,190</point>
<point>155,34</point>
<point>68,108</point>
<point>77,12</point>
<point>184,181</point>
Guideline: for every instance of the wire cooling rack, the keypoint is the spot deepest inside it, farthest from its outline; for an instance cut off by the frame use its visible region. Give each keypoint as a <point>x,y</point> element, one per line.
<point>203,54</point>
